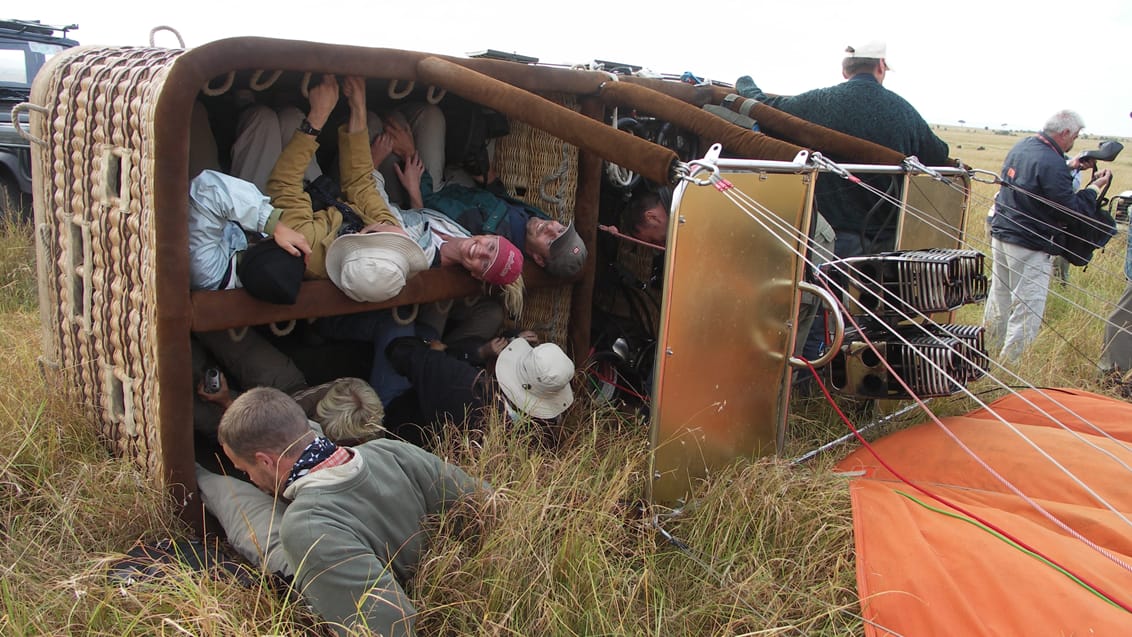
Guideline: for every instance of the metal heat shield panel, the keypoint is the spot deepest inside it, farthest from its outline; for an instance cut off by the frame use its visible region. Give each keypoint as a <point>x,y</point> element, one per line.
<point>721,385</point>
<point>934,216</point>
<point>935,213</point>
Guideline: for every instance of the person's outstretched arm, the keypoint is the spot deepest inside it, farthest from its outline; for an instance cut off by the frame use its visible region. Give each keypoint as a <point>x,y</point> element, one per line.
<point>356,159</point>
<point>285,185</point>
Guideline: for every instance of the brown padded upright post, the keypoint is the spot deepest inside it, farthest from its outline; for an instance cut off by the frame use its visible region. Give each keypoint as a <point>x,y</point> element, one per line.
<point>650,160</point>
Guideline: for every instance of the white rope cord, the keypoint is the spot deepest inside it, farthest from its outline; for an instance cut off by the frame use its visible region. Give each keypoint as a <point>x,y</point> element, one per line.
<point>1014,376</point>
<point>222,89</point>
<point>1037,507</point>
<point>287,328</point>
<point>237,334</point>
<point>1056,206</point>
<point>618,176</point>
<point>396,94</point>
<point>773,219</point>
<point>995,180</point>
<point>1107,304</point>
<point>953,233</point>
<point>256,85</point>
<point>856,277</point>
<point>404,321</point>
<point>155,30</point>
<point>435,94</point>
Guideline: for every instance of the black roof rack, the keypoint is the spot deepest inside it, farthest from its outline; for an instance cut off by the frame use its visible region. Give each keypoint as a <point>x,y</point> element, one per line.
<point>35,27</point>
<point>493,54</point>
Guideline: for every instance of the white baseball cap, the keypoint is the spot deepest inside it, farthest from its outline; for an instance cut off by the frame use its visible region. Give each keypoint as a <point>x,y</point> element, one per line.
<point>874,49</point>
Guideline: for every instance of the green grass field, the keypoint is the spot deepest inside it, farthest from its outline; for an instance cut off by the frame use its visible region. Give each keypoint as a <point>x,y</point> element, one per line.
<point>566,551</point>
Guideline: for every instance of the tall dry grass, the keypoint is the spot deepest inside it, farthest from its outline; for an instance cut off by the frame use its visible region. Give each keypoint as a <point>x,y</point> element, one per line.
<point>567,550</point>
<point>1068,347</point>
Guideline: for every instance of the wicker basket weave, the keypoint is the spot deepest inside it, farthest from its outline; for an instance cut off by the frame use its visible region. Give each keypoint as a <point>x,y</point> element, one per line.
<point>542,170</point>
<point>95,232</point>
<point>98,178</point>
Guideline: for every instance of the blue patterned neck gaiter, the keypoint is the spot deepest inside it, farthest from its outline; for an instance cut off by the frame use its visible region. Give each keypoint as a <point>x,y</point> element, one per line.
<point>318,450</point>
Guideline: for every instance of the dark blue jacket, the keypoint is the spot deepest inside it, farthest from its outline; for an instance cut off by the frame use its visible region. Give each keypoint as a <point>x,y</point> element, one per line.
<point>484,210</point>
<point>1034,168</point>
<point>860,107</point>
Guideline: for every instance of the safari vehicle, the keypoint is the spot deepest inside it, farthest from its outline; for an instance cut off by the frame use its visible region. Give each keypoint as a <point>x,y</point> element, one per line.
<point>24,47</point>
<point>118,133</point>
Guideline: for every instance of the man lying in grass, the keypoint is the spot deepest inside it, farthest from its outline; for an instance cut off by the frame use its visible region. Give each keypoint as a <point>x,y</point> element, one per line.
<point>352,532</point>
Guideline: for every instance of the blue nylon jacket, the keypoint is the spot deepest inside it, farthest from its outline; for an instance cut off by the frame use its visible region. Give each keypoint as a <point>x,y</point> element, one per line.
<point>1035,167</point>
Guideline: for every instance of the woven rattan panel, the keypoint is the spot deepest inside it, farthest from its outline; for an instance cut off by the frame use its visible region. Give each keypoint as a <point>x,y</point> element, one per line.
<point>542,170</point>
<point>95,226</point>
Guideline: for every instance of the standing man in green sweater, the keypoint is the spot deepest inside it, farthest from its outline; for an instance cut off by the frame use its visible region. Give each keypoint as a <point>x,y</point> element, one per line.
<point>863,108</point>
<point>352,533</point>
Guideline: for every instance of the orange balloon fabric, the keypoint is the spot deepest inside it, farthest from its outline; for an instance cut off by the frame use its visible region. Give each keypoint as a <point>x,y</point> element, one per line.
<point>923,569</point>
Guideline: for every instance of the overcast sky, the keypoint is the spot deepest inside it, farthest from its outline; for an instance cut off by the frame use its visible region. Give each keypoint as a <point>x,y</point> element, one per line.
<point>999,64</point>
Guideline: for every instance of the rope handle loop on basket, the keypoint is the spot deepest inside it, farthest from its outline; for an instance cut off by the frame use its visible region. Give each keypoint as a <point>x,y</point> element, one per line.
<point>396,94</point>
<point>287,328</point>
<point>211,91</point>
<point>435,94</point>
<point>443,306</point>
<point>618,176</point>
<point>237,335</point>
<point>255,84</point>
<point>176,34</point>
<point>405,321</point>
<point>18,125</point>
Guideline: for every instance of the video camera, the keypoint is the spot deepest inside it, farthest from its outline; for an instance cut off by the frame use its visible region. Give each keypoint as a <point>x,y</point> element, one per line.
<point>1107,151</point>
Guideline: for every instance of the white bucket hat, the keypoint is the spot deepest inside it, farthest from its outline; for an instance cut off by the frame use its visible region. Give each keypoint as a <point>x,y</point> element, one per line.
<point>373,266</point>
<point>536,380</point>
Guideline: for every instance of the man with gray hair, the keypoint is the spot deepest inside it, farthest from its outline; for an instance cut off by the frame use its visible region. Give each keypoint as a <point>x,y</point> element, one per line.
<point>1034,204</point>
<point>352,533</point>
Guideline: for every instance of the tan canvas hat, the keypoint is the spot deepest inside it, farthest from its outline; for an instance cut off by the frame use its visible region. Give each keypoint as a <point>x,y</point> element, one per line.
<point>536,380</point>
<point>373,266</point>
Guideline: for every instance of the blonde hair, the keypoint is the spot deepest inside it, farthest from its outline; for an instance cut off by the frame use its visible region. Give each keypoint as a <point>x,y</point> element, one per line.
<point>350,410</point>
<point>513,297</point>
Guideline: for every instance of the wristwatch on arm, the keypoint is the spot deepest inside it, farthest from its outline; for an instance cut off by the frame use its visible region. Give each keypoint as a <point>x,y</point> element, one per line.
<point>306,128</point>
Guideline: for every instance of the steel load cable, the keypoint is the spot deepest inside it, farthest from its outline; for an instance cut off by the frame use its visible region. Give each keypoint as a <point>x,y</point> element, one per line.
<point>725,188</point>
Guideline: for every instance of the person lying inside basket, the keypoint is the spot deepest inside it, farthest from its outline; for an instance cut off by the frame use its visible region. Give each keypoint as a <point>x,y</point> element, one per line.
<point>237,241</point>
<point>363,247</point>
<point>548,242</point>
<point>347,521</point>
<point>526,383</point>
